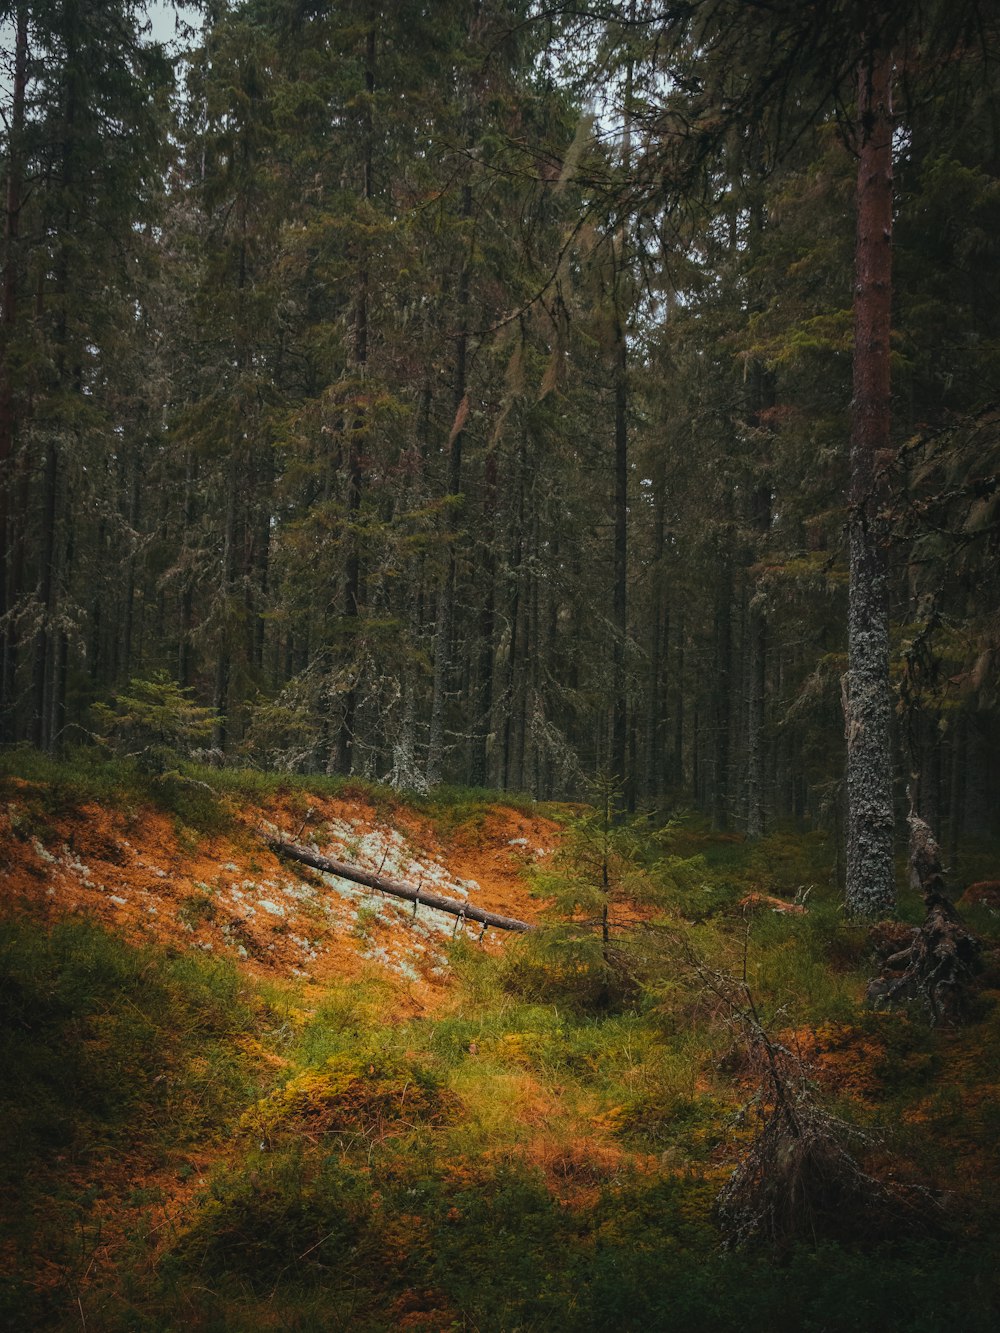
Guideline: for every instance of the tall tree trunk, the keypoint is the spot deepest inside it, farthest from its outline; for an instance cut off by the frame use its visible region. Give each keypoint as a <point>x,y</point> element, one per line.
<point>487,616</point>
<point>47,597</point>
<point>756,664</point>
<point>60,643</point>
<point>756,631</point>
<point>47,671</point>
<point>870,888</point>
<point>184,645</point>
<point>722,691</point>
<point>619,764</point>
<point>132,482</point>
<point>678,774</point>
<point>8,328</point>
<point>619,596</point>
<point>659,634</point>
<point>956,792</point>
<point>224,647</point>
<point>260,523</point>
<point>513,662</point>
<point>446,593</point>
<point>355,474</point>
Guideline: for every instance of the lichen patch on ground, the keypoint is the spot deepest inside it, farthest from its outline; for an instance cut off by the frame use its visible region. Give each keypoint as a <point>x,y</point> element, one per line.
<point>148,878</point>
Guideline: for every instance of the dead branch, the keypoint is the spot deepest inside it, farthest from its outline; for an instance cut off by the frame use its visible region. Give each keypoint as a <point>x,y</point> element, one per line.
<point>394,888</point>
<point>798,1179</point>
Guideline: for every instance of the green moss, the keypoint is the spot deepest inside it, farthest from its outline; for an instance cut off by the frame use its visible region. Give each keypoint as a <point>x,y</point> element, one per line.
<point>293,1216</point>
<point>406,1173</point>
<point>369,1102</point>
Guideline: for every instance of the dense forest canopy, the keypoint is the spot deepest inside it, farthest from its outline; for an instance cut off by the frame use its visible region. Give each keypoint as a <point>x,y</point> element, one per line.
<point>482,393</point>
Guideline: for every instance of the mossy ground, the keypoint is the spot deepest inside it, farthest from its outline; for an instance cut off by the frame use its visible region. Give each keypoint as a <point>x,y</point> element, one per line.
<point>189,1144</point>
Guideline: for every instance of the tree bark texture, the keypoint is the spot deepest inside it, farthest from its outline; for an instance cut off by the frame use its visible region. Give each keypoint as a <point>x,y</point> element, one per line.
<point>870,880</point>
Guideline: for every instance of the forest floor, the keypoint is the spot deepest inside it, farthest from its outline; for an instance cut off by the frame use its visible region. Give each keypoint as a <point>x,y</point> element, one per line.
<point>238,1094</point>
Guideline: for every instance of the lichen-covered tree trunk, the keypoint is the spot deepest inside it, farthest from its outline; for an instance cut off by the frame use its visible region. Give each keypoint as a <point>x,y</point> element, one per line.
<point>870,881</point>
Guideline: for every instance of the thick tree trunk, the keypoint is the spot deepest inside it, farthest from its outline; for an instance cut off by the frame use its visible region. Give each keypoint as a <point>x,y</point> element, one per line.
<point>870,882</point>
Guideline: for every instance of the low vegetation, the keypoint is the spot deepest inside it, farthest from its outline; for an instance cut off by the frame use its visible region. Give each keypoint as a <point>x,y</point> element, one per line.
<point>190,1142</point>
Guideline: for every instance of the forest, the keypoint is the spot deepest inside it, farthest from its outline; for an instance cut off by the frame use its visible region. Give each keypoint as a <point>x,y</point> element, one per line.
<point>541,451</point>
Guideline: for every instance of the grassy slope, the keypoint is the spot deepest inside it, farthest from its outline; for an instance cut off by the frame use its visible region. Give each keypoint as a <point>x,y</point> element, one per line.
<point>192,1145</point>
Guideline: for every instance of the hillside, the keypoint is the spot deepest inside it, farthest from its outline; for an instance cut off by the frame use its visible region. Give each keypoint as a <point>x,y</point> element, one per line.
<point>153,881</point>
<point>244,1097</point>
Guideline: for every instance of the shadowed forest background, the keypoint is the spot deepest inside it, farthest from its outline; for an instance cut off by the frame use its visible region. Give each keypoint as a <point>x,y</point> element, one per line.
<point>544,458</point>
<point>427,415</point>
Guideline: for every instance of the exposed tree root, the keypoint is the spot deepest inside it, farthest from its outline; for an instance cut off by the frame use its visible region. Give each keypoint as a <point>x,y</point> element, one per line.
<point>935,963</point>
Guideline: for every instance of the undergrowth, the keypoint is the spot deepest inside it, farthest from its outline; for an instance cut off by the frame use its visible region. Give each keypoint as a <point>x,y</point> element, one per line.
<point>187,1147</point>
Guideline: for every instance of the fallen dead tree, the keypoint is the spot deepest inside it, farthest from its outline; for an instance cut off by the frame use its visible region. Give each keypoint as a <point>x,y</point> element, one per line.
<point>798,1178</point>
<point>934,963</point>
<point>411,893</point>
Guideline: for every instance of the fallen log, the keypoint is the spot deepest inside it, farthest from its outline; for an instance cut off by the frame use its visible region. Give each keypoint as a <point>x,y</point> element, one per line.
<point>394,888</point>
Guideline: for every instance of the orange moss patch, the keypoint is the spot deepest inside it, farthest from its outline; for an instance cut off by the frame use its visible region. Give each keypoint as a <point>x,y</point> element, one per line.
<point>227,895</point>
<point>576,1171</point>
<point>843,1058</point>
<point>755,901</point>
<point>498,852</point>
<point>985,893</point>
